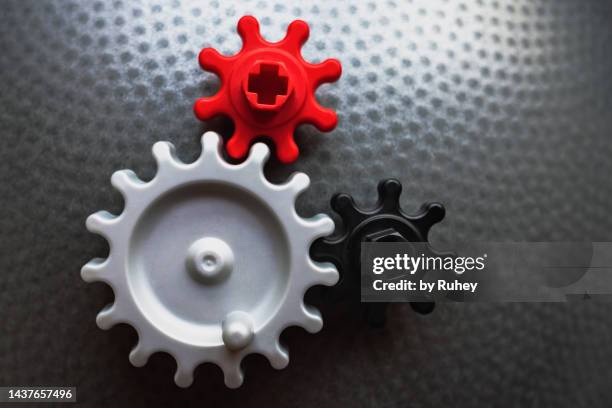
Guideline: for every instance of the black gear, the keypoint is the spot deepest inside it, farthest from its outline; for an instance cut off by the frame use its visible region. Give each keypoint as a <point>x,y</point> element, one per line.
<point>385,223</point>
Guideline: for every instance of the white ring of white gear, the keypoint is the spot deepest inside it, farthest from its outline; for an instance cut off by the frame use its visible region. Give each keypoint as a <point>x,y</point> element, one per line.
<point>227,341</point>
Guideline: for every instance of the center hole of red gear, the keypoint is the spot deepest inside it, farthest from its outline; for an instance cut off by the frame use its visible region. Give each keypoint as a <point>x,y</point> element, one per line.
<point>267,84</point>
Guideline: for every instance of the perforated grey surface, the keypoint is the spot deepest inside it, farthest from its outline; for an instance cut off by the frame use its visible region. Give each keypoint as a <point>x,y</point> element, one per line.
<point>498,109</point>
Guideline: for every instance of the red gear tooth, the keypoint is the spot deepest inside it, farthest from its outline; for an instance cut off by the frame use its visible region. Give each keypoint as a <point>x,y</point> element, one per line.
<point>324,119</point>
<point>207,108</point>
<point>211,60</point>
<point>267,89</point>
<point>238,146</point>
<point>286,149</point>
<point>327,71</point>
<point>297,35</point>
<point>248,29</point>
<point>289,152</point>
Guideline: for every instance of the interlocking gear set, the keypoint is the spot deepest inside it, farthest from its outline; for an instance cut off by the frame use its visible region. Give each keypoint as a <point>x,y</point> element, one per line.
<point>209,261</point>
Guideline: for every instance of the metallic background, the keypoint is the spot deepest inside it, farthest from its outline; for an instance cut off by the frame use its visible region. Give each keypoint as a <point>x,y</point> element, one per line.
<point>498,109</point>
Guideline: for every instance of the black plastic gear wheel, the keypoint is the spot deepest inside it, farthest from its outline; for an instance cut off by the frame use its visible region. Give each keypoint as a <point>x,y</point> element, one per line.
<point>385,223</point>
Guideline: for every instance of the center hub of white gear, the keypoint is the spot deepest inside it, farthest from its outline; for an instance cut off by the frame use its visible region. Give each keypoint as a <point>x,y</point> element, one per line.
<point>210,260</point>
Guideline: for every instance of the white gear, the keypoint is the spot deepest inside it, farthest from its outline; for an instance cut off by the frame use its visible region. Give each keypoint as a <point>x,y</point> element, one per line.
<point>209,261</point>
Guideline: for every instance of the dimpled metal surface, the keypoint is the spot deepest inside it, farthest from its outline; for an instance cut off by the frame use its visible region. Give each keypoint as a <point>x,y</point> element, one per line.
<point>500,110</point>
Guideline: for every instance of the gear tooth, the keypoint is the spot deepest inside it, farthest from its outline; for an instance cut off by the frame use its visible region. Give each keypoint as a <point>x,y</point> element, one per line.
<point>233,375</point>
<point>320,226</point>
<point>311,319</point>
<point>211,60</point>
<point>248,29</point>
<point>297,34</point>
<point>211,145</point>
<point>286,149</point>
<point>341,202</point>
<point>423,308</point>
<point>324,249</point>
<point>94,270</point>
<point>429,215</point>
<point>183,377</point>
<point>139,355</point>
<point>107,317</point>
<point>345,206</point>
<point>207,108</point>
<point>277,356</point>
<point>389,192</point>
<point>329,70</point>
<point>238,145</point>
<point>324,273</point>
<point>100,222</point>
<point>125,181</point>
<point>325,120</point>
<point>165,155</point>
<point>260,153</point>
<point>434,212</point>
<point>298,182</point>
<point>322,118</point>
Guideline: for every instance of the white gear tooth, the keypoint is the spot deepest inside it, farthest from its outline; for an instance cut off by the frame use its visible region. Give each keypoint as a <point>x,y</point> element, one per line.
<point>165,156</point>
<point>94,270</point>
<point>233,375</point>
<point>259,155</point>
<point>323,273</point>
<point>297,183</point>
<point>139,355</point>
<point>320,226</point>
<point>211,146</point>
<point>125,181</point>
<point>184,375</point>
<point>100,223</point>
<point>310,318</point>
<point>277,355</point>
<point>108,317</point>
<point>280,359</point>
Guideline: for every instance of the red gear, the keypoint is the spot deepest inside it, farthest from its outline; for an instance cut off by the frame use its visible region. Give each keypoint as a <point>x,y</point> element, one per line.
<point>268,89</point>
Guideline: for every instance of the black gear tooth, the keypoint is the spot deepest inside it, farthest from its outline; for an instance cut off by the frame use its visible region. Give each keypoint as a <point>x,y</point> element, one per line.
<point>423,308</point>
<point>345,206</point>
<point>428,215</point>
<point>341,201</point>
<point>436,212</point>
<point>389,192</point>
<point>326,250</point>
<point>432,214</point>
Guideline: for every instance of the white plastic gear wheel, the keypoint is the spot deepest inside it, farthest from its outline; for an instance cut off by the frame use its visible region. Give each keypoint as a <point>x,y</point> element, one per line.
<point>209,261</point>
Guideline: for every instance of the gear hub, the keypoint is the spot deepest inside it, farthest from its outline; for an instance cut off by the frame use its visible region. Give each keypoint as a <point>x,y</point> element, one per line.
<point>209,261</point>
<point>385,223</point>
<point>267,89</point>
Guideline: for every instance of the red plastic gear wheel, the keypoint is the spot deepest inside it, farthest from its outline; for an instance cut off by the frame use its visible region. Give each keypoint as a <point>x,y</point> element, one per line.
<point>268,89</point>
